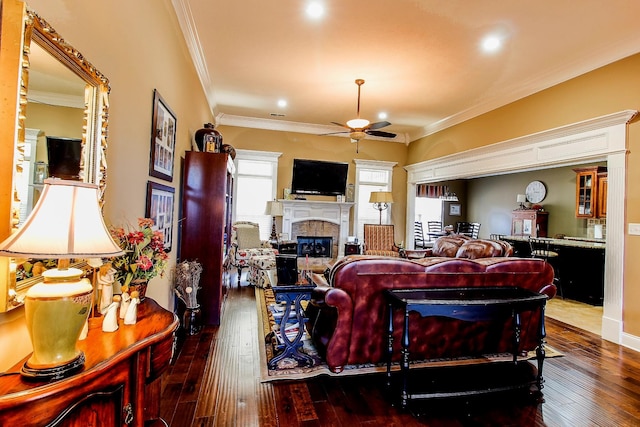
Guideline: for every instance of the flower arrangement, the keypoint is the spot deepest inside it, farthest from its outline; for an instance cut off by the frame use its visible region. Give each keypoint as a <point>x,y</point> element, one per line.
<point>186,281</point>
<point>144,256</point>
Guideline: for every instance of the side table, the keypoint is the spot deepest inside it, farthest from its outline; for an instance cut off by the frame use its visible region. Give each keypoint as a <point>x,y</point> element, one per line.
<point>469,304</point>
<point>352,249</point>
<point>288,247</point>
<point>292,295</point>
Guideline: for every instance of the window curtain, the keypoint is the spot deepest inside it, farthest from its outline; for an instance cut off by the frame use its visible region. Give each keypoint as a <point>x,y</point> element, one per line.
<point>431,191</point>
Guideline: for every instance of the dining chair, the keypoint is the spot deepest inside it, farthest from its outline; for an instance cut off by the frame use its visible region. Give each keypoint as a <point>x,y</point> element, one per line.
<point>434,230</point>
<point>471,229</point>
<point>418,236</point>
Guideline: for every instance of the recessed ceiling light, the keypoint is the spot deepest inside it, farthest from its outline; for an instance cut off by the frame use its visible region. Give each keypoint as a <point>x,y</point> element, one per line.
<point>315,9</point>
<point>491,43</point>
<point>282,103</point>
<point>382,115</point>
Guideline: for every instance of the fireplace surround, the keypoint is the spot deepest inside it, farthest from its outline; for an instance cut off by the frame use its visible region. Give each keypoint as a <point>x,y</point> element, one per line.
<point>317,218</point>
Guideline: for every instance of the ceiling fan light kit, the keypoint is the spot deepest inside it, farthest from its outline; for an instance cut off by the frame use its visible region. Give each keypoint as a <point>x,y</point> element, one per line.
<point>357,123</point>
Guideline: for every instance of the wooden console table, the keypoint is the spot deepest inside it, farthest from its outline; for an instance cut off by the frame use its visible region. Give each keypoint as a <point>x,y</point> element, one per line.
<point>119,384</point>
<point>470,304</point>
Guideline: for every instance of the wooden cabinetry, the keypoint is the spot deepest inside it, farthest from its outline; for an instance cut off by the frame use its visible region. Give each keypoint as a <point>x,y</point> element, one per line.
<point>603,187</point>
<point>529,222</point>
<point>590,202</point>
<point>207,188</point>
<point>119,384</point>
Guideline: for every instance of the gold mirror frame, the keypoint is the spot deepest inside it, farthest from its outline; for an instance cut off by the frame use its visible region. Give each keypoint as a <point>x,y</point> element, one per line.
<point>93,165</point>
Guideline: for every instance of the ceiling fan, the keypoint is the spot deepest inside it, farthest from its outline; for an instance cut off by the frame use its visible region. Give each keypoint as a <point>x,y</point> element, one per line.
<point>360,128</point>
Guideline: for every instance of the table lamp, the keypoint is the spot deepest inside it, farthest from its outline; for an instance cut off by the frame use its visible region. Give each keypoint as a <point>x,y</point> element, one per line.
<point>274,208</point>
<point>381,200</point>
<point>521,198</point>
<point>66,223</point>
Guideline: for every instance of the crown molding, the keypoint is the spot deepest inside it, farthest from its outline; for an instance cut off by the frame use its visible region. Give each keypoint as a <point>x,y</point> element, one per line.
<point>289,126</point>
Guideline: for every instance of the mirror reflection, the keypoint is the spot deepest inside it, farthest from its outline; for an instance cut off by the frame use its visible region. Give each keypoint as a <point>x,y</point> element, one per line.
<point>53,126</point>
<point>61,132</point>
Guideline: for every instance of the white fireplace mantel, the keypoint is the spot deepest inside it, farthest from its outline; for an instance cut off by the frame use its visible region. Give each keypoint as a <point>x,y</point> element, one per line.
<point>306,210</point>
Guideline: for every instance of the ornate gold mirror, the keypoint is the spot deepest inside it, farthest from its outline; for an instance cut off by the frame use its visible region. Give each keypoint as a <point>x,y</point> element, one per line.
<point>61,130</point>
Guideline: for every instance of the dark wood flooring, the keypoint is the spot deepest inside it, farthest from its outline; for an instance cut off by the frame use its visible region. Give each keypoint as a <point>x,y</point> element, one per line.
<point>215,381</point>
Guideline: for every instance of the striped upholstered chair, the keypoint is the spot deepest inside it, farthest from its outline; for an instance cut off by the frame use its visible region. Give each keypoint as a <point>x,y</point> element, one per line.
<point>379,240</point>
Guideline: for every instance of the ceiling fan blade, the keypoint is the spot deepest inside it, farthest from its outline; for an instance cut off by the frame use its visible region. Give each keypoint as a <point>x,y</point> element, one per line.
<point>334,133</point>
<point>378,125</point>
<point>380,133</point>
<point>340,124</point>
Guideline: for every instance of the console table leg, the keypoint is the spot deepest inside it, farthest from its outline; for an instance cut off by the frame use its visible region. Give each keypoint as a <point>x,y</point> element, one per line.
<point>405,360</point>
<point>517,330</point>
<point>540,351</point>
<point>389,345</point>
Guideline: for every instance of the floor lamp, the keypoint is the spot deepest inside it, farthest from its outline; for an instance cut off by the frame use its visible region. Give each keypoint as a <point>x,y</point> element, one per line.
<point>274,209</point>
<point>381,200</point>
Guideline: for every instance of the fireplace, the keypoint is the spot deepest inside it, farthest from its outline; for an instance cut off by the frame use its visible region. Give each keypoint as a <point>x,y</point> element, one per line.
<point>315,246</point>
<point>304,218</point>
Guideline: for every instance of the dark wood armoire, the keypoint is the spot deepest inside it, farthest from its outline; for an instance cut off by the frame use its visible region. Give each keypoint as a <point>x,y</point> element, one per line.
<point>207,189</point>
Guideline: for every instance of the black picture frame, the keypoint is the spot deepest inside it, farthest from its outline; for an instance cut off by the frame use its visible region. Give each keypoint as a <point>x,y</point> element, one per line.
<point>160,202</point>
<point>163,139</point>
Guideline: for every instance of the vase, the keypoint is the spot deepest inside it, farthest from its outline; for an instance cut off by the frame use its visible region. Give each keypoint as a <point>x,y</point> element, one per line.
<point>139,285</point>
<point>208,139</point>
<point>191,320</point>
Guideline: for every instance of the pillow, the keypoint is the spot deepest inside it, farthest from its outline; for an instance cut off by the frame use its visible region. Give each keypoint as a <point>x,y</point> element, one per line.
<point>248,237</point>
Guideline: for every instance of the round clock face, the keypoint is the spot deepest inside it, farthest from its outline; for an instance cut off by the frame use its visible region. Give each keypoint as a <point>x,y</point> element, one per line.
<point>536,192</point>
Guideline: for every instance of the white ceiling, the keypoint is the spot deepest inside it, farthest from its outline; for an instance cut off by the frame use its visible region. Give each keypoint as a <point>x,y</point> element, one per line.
<point>420,59</point>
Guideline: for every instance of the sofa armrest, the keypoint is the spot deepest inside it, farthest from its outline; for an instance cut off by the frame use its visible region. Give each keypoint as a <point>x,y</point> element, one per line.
<point>335,309</point>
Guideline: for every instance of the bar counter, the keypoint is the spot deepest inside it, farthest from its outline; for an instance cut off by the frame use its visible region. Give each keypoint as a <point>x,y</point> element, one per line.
<point>579,265</point>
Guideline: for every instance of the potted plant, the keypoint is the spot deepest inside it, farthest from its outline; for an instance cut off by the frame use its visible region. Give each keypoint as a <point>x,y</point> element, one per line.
<point>144,258</point>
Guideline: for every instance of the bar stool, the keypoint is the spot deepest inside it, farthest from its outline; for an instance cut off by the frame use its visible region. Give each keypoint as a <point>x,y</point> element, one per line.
<point>541,248</point>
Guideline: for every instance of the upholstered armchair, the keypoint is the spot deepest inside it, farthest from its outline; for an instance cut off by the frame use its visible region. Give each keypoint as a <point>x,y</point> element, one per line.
<point>247,250</point>
<point>379,240</point>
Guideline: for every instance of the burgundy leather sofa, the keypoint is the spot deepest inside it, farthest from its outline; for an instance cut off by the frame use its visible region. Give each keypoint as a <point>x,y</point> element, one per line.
<point>348,312</point>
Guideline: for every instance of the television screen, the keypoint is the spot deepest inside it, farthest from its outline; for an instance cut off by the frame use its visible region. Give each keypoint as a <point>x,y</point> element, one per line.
<point>64,157</point>
<point>319,177</point>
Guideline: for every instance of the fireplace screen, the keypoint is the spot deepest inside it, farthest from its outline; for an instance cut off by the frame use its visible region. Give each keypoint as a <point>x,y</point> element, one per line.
<point>315,246</point>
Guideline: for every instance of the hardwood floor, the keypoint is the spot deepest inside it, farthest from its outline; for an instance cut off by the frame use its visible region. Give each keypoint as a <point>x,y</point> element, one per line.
<point>215,381</point>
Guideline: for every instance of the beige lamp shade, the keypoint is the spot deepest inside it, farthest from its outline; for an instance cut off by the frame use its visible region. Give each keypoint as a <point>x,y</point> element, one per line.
<point>65,223</point>
<point>274,208</point>
<point>521,198</point>
<point>381,197</point>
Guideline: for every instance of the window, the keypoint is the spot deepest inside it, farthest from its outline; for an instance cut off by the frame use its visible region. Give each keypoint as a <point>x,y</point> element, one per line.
<point>371,176</point>
<point>255,184</point>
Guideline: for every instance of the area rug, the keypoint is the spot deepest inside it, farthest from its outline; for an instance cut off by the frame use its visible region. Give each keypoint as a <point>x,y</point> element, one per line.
<point>288,369</point>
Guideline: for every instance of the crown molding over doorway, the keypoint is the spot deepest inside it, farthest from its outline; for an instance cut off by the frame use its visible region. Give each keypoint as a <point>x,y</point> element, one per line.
<point>599,139</point>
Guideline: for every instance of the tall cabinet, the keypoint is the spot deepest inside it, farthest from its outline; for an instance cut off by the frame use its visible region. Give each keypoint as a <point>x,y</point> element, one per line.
<point>207,188</point>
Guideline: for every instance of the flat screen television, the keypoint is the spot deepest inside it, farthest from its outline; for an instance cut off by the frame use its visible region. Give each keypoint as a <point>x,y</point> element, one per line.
<point>319,177</point>
<point>64,157</point>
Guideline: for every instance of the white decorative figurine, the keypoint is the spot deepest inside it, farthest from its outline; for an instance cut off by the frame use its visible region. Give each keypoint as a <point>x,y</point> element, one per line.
<point>131,317</point>
<point>106,277</point>
<point>126,300</point>
<point>110,321</point>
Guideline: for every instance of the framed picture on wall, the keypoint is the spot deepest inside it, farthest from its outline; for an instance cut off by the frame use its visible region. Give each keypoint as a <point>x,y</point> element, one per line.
<point>160,200</point>
<point>454,210</point>
<point>163,139</point>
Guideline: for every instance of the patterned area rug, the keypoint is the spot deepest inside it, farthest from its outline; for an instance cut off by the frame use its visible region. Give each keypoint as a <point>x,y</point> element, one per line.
<point>288,369</point>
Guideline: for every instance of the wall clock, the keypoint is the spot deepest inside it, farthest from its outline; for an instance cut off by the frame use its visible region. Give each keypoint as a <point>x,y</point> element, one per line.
<point>536,192</point>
